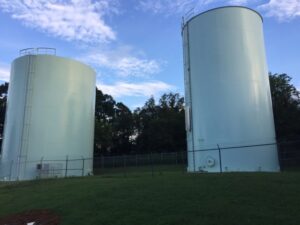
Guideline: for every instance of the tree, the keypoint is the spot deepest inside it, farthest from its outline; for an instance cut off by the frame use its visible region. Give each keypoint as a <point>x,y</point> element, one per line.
<point>104,108</point>
<point>122,125</point>
<point>104,113</point>
<point>286,106</point>
<point>160,128</point>
<point>3,100</point>
<point>113,126</point>
<point>102,138</point>
<point>143,117</point>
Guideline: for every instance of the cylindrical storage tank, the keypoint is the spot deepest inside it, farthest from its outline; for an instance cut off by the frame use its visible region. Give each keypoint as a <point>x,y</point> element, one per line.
<point>229,117</point>
<point>49,125</point>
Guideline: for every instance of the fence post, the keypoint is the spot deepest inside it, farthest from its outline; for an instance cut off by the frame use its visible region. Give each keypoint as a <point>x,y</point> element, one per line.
<point>18,168</point>
<point>124,161</point>
<point>151,161</point>
<point>41,169</point>
<point>220,158</point>
<point>183,161</point>
<point>136,160</point>
<point>67,160</point>
<point>160,163</point>
<point>280,154</point>
<point>82,166</point>
<point>102,161</point>
<point>10,169</point>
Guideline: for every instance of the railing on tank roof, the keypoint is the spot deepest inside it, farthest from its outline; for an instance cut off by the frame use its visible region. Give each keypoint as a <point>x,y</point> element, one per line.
<point>188,15</point>
<point>197,10</point>
<point>38,51</point>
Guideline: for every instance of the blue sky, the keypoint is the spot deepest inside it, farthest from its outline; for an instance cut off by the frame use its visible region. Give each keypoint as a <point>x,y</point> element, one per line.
<point>135,45</point>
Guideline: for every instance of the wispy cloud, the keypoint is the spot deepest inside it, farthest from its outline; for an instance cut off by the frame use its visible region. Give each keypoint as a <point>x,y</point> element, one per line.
<point>123,64</point>
<point>184,7</point>
<point>283,10</point>
<point>167,6</point>
<point>73,20</point>
<point>238,2</point>
<point>4,72</point>
<point>145,89</point>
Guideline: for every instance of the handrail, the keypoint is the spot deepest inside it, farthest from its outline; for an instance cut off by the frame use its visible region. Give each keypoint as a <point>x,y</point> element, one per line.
<point>195,11</point>
<point>188,15</point>
<point>38,51</point>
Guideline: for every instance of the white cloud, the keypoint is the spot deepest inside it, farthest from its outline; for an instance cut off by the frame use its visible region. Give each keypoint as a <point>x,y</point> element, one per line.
<point>185,8</point>
<point>4,73</point>
<point>283,10</point>
<point>167,6</point>
<point>124,64</point>
<point>238,2</point>
<point>79,20</point>
<point>145,89</point>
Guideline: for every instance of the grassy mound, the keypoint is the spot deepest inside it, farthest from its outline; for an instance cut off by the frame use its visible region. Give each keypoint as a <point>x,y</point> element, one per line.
<point>173,198</point>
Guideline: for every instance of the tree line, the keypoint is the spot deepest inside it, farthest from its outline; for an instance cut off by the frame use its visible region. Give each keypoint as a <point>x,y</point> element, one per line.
<point>159,126</point>
<point>155,127</point>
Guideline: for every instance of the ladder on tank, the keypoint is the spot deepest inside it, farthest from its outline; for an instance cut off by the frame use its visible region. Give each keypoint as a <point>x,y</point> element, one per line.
<point>27,114</point>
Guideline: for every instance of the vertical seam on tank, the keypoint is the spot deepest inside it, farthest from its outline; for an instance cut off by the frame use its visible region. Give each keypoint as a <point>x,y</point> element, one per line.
<point>190,92</point>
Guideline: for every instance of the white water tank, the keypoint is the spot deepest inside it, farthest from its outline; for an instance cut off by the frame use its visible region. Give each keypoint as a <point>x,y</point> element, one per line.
<point>229,117</point>
<point>49,118</point>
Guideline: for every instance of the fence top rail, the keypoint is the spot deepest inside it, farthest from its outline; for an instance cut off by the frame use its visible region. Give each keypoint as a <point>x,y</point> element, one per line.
<point>142,154</point>
<point>232,147</point>
<point>53,160</point>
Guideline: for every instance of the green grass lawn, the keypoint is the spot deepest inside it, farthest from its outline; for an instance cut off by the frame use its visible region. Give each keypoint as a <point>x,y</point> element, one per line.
<point>140,170</point>
<point>170,198</point>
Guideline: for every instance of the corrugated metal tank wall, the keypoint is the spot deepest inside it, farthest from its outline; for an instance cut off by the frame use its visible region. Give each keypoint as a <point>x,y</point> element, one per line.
<point>227,92</point>
<point>50,114</point>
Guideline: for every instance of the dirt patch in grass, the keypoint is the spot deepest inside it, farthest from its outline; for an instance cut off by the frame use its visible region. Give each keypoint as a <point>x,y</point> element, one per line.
<point>33,217</point>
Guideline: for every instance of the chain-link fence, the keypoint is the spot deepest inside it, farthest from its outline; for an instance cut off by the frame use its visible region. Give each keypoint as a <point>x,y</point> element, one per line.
<point>153,163</point>
<point>45,168</point>
<point>138,164</point>
<point>289,155</point>
<point>150,164</point>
